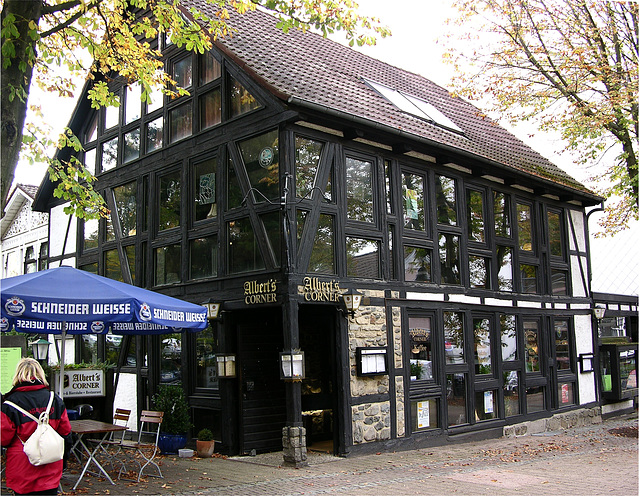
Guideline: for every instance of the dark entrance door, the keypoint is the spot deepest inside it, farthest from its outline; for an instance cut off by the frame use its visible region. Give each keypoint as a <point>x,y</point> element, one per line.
<point>262,392</point>
<point>319,393</point>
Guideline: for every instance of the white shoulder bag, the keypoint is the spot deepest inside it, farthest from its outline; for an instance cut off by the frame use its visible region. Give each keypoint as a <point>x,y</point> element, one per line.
<point>44,446</point>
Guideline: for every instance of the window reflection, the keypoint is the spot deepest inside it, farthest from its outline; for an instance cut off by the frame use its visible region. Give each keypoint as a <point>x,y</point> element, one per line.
<point>505,271</point>
<point>449,259</point>
<point>307,160</point>
<point>417,264</point>
<point>109,154</point>
<point>240,99</point>
<point>155,130</point>
<point>203,253</point>
<point>244,253</point>
<point>482,345</point>
<point>261,160</point>
<point>182,72</point>
<point>501,213</point>
<point>180,122</point>
<point>413,201</point>
<point>171,359</point>
<point>91,234</point>
<point>555,235</point>
<point>456,399</point>
<point>563,357</point>
<point>479,274</point>
<point>322,259</point>
<point>529,278</point>
<point>210,68</point>
<point>525,228</point>
<point>475,215</point>
<point>210,109</point>
<point>363,258</point>
<point>204,187</point>
<point>511,393</point>
<point>508,337</point>
<point>133,103</point>
<point>453,338</point>
<point>360,202</point>
<point>167,264</point>
<point>446,200</point>
<point>421,358</point>
<point>169,200</point>
<point>126,203</point>
<point>531,346</point>
<point>206,348</point>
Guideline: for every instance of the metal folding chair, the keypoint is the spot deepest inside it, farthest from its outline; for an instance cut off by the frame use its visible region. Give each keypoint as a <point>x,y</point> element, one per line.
<point>121,418</point>
<point>150,422</point>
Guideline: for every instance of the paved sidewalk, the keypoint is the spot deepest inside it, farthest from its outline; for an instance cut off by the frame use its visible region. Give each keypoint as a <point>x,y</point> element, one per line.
<point>596,460</point>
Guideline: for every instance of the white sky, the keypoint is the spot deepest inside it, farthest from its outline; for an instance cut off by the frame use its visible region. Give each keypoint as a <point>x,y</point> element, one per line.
<point>416,26</point>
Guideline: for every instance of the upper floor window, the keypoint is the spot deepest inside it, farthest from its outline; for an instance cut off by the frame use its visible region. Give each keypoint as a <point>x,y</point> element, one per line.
<point>555,233</point>
<point>502,214</point>
<point>261,160</point>
<point>475,215</point>
<point>30,263</point>
<point>525,227</point>
<point>360,199</point>
<point>413,206</point>
<point>446,200</point>
<point>205,205</point>
<point>240,100</point>
<point>183,72</point>
<point>307,161</point>
<point>169,196</point>
<point>133,104</point>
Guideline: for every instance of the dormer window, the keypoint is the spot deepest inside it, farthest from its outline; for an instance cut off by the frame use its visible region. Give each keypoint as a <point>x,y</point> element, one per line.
<point>415,106</point>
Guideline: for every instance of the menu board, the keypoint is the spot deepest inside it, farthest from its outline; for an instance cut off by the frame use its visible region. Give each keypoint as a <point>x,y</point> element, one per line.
<point>9,359</point>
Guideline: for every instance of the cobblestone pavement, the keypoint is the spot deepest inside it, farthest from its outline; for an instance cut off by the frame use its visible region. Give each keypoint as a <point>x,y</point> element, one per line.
<point>596,460</point>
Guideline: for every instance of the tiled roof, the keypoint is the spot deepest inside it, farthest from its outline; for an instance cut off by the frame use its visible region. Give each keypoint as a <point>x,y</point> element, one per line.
<point>306,69</point>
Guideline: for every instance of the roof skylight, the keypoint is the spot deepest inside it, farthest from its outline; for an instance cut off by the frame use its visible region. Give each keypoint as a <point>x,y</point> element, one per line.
<point>414,106</point>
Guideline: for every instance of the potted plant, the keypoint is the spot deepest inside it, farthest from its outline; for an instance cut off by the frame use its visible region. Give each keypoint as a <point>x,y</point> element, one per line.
<point>205,443</point>
<point>176,422</point>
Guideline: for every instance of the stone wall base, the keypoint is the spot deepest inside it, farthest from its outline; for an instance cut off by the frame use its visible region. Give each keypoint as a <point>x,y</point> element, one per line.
<point>294,446</point>
<point>561,421</point>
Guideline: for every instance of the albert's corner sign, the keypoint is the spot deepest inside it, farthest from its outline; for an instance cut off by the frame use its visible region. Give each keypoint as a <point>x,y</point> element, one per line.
<point>315,290</point>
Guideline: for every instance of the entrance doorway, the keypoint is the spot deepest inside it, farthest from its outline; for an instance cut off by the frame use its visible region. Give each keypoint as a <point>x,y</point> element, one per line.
<point>319,393</point>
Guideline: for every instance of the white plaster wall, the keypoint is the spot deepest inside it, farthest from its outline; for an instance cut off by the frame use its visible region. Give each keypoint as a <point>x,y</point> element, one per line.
<point>577,218</point>
<point>584,345</point>
<point>58,223</point>
<point>578,276</point>
<point>126,397</point>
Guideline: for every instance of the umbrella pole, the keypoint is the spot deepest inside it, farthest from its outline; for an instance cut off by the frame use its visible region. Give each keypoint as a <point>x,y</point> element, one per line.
<point>64,341</point>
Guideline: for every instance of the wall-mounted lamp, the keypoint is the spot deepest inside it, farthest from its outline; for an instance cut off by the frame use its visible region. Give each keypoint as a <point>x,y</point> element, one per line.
<point>213,310</point>
<point>598,312</point>
<point>292,365</point>
<point>586,362</point>
<point>226,365</point>
<point>371,361</point>
<point>352,300</point>
<point>40,349</point>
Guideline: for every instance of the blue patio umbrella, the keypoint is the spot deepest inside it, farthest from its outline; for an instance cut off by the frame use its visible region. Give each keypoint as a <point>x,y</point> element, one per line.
<point>66,300</point>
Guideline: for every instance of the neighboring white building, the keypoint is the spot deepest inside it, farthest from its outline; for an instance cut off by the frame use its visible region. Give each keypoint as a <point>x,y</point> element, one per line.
<point>24,234</point>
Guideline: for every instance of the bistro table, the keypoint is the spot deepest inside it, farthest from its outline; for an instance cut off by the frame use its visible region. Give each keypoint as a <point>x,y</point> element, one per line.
<point>82,427</point>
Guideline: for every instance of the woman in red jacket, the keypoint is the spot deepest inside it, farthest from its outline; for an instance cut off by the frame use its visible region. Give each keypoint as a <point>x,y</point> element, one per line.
<point>30,391</point>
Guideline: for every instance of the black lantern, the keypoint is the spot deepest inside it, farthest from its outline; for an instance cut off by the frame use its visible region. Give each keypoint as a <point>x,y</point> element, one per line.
<point>598,312</point>
<point>40,349</point>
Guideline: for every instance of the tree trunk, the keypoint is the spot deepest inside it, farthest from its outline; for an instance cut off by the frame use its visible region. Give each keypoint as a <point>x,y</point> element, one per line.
<point>14,105</point>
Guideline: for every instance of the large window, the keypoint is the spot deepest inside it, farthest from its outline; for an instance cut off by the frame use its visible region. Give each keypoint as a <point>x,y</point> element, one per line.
<point>363,258</point>
<point>203,255</point>
<point>243,251</point>
<point>206,348</point>
<point>417,264</point>
<point>502,214</point>
<point>475,216</point>
<point>323,253</point>
<point>453,338</point>
<point>307,161</point>
<point>168,262</point>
